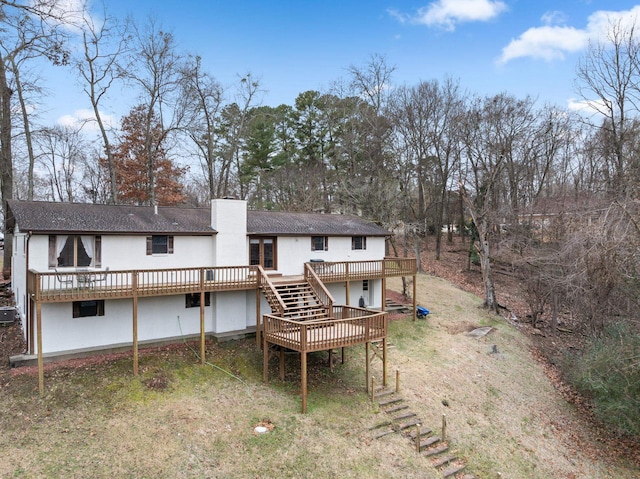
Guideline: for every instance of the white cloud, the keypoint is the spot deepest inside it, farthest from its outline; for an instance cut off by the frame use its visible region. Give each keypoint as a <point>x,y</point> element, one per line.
<point>586,107</point>
<point>448,13</point>
<point>86,120</point>
<point>546,43</point>
<point>554,42</point>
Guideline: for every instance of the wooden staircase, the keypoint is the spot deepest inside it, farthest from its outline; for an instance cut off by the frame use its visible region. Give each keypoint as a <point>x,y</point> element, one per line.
<point>300,300</point>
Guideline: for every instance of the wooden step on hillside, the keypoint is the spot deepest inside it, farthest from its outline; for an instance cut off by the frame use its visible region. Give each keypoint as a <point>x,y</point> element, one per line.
<point>452,471</point>
<point>390,400</point>
<point>394,307</point>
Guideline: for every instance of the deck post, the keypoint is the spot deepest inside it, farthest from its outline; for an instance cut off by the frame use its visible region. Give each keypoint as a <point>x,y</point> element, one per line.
<point>366,368</point>
<point>384,361</point>
<point>415,304</point>
<point>135,321</point>
<point>348,292</point>
<point>281,363</point>
<point>202,341</point>
<point>303,379</point>
<point>258,325</point>
<point>383,307</point>
<point>265,360</point>
<point>39,340</point>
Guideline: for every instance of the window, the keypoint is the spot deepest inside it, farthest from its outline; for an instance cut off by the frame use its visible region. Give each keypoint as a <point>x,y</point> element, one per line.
<point>83,309</point>
<point>159,244</point>
<point>358,242</point>
<point>319,243</point>
<point>192,300</point>
<point>75,251</point>
<point>262,251</point>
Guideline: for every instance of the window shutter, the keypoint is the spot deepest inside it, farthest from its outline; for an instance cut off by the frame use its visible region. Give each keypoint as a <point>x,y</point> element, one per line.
<point>97,253</point>
<point>170,244</point>
<point>52,251</point>
<point>149,245</point>
<point>326,243</point>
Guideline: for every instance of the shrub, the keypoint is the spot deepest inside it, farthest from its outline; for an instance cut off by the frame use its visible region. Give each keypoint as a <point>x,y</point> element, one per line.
<point>608,371</point>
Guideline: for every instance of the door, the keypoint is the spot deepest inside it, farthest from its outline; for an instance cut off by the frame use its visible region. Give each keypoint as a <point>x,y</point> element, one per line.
<point>262,251</point>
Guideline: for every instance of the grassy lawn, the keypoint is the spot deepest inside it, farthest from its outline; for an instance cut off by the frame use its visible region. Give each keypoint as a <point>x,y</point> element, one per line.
<point>181,420</point>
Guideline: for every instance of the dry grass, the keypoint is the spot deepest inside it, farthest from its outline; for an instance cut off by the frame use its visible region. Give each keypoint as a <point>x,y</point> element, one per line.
<point>181,420</point>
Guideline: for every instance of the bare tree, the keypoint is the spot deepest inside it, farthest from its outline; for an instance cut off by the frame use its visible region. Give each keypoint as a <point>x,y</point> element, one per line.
<point>157,76</point>
<point>62,152</point>
<point>28,26</point>
<point>608,79</point>
<point>202,102</point>
<point>104,44</point>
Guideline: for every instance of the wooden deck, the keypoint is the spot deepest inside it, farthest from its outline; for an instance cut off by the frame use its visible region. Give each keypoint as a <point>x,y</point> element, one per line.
<point>355,326</point>
<point>88,284</point>
<point>349,327</point>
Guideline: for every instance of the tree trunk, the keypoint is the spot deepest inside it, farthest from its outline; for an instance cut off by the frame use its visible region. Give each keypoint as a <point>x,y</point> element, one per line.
<point>6,161</point>
<point>27,130</point>
<point>485,265</point>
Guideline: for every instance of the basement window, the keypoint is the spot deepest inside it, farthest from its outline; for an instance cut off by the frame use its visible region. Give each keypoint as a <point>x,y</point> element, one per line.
<point>85,309</point>
<point>192,300</point>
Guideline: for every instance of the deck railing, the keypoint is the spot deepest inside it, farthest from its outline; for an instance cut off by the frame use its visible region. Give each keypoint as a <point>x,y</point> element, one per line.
<point>79,284</point>
<point>335,271</point>
<point>352,326</point>
<point>320,289</point>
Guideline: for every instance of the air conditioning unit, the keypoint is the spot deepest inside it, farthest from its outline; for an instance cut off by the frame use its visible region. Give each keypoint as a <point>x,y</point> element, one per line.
<point>8,314</point>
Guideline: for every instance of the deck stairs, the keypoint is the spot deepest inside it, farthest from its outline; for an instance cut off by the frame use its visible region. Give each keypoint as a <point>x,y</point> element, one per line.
<point>301,302</point>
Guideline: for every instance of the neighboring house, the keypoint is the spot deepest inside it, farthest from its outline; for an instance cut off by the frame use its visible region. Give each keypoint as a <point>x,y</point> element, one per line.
<point>81,273</point>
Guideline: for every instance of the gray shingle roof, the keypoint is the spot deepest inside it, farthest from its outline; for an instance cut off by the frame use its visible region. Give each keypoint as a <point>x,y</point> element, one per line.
<point>310,224</point>
<point>45,217</point>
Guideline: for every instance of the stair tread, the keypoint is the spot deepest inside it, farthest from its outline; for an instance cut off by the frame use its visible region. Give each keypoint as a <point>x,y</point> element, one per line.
<point>383,433</point>
<point>452,470</point>
<point>412,422</point>
<point>397,408</point>
<point>390,400</point>
<point>436,450</point>
<point>429,441</point>
<point>444,460</point>
<point>423,432</point>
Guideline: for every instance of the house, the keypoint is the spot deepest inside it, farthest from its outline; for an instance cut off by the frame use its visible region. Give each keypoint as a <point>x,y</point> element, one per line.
<point>89,278</point>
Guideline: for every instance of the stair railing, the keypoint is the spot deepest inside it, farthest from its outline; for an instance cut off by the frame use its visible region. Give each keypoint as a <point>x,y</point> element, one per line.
<point>319,288</point>
<point>273,297</point>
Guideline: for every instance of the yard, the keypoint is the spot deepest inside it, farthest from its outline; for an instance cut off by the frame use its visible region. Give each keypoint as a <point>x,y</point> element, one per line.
<point>182,420</point>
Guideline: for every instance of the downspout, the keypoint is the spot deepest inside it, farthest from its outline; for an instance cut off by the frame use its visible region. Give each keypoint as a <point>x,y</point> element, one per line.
<point>29,318</point>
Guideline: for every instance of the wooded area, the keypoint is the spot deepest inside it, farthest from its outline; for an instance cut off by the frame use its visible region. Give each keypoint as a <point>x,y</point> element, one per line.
<point>552,191</point>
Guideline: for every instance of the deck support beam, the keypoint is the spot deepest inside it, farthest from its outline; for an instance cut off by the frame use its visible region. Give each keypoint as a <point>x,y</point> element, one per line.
<point>258,325</point>
<point>415,300</point>
<point>303,379</point>
<point>202,338</point>
<point>135,335</point>
<point>39,341</point>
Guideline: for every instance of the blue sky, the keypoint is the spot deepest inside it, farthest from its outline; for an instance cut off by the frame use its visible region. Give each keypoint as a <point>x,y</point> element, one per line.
<point>523,47</point>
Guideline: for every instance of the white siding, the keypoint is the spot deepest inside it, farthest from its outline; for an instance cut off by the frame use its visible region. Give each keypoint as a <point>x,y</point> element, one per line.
<point>293,252</point>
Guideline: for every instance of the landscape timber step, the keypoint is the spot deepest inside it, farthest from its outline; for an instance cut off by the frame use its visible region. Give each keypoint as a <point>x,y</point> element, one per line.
<point>384,433</point>
<point>382,393</point>
<point>444,460</point>
<point>430,441</point>
<point>412,422</point>
<point>379,425</point>
<point>397,408</point>
<point>424,431</point>
<point>390,400</point>
<point>453,470</point>
<point>406,415</point>
<point>434,451</point>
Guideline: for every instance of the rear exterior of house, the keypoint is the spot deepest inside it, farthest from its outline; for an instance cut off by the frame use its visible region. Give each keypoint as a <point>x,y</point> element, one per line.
<point>85,270</point>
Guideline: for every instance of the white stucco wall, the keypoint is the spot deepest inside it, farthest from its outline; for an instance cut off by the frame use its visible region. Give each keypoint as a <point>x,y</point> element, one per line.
<point>19,272</point>
<point>229,219</point>
<point>130,252</point>
<point>293,252</point>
